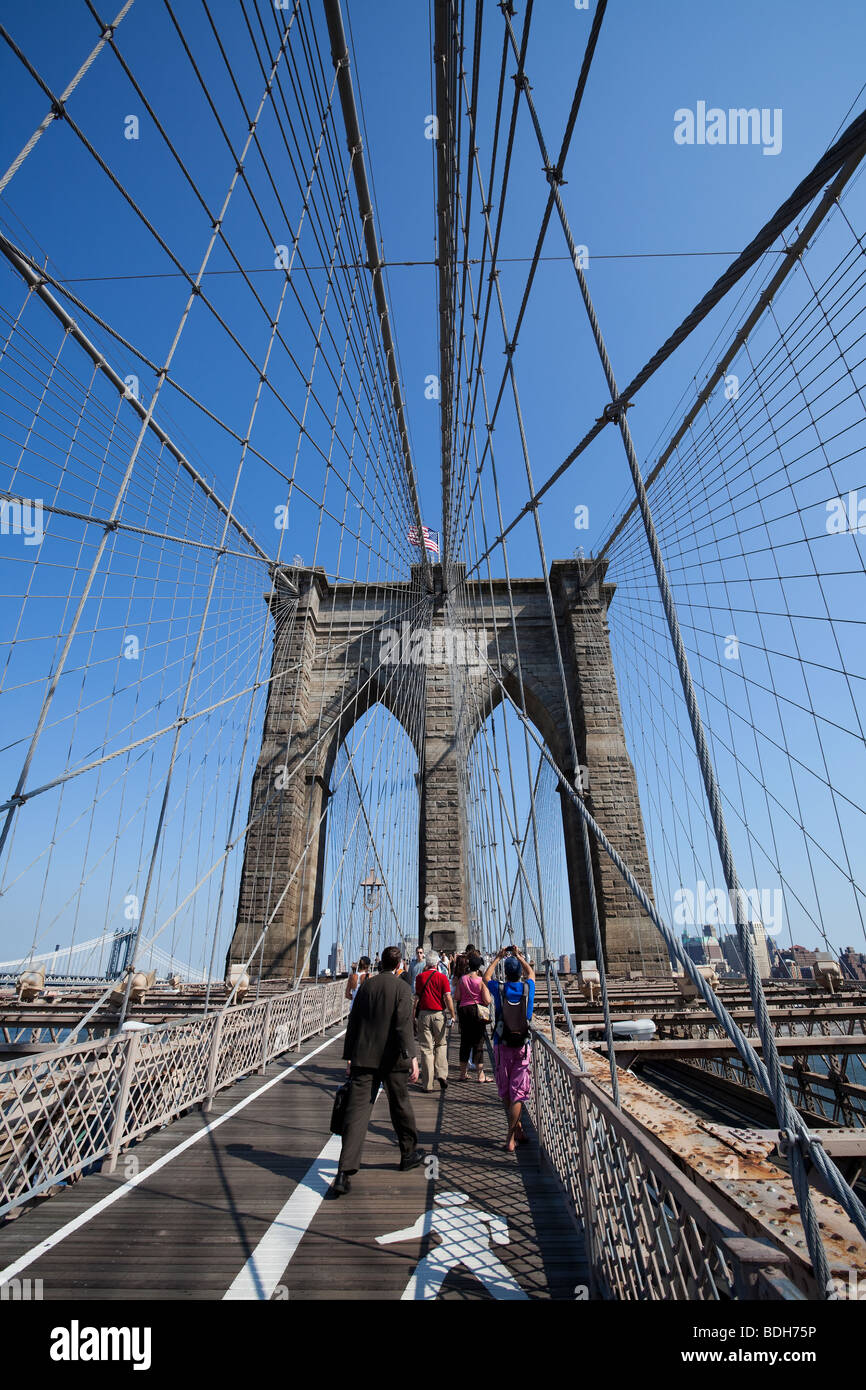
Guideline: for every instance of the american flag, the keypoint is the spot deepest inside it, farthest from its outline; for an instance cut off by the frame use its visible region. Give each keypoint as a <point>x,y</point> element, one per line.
<point>429,542</point>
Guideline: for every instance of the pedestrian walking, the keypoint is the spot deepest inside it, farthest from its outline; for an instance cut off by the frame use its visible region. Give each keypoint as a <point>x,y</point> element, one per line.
<point>379,1049</point>
<point>473,1000</point>
<point>417,966</point>
<point>460,966</point>
<point>359,974</point>
<point>513,1001</point>
<point>433,1000</point>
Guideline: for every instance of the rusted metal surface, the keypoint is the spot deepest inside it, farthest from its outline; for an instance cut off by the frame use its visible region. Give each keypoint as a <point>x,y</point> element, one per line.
<point>651,1231</point>
<point>749,1143</point>
<point>753,1188</point>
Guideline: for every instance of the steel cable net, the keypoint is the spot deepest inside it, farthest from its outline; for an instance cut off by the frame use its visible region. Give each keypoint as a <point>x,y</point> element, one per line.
<point>740,549</point>
<point>488,304</point>
<point>194,436</point>
<point>757,514</point>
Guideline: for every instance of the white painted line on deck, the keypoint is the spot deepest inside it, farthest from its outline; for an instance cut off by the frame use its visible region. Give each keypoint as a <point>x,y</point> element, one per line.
<point>77,1222</point>
<point>264,1269</point>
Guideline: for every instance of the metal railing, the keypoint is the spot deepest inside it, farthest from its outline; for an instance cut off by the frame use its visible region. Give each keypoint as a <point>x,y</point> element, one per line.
<point>650,1233</point>
<point>64,1110</point>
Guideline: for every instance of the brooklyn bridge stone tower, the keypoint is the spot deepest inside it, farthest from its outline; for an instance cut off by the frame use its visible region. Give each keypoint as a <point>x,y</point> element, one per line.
<point>314,700</point>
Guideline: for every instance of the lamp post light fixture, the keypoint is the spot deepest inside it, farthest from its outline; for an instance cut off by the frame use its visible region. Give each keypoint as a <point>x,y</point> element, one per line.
<point>372,887</point>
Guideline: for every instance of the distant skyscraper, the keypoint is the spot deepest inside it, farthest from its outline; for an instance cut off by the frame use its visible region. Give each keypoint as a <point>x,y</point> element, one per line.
<point>733,955</point>
<point>713,949</point>
<point>762,954</point>
<point>694,948</point>
<point>336,960</point>
<point>731,952</point>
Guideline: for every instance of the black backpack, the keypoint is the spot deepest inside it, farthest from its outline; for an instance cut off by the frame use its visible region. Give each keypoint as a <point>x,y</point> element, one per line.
<point>513,1026</point>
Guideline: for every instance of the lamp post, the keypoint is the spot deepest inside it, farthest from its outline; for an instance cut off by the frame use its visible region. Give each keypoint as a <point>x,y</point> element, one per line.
<point>372,887</point>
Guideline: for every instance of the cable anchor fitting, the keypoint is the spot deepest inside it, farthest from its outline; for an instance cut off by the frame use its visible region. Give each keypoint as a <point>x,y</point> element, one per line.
<point>613,412</point>
<point>789,1140</point>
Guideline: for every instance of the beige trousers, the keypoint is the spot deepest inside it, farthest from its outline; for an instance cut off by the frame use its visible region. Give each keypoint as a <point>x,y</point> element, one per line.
<point>433,1047</point>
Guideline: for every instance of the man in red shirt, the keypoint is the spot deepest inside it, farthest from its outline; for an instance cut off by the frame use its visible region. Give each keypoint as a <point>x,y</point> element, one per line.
<point>432,1000</point>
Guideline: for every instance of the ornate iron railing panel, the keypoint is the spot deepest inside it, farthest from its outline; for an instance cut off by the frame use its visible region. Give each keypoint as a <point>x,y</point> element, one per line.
<point>650,1232</point>
<point>56,1115</point>
<point>65,1110</point>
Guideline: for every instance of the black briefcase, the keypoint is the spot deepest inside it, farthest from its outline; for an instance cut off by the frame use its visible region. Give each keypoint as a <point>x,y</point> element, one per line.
<point>341,1101</point>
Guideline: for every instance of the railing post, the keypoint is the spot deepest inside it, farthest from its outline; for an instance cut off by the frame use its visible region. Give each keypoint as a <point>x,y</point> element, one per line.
<point>214,1059</point>
<point>539,1111</point>
<point>266,1034</point>
<point>548,965</point>
<point>324,1009</point>
<point>300,1034</point>
<point>133,1038</point>
<point>584,1144</point>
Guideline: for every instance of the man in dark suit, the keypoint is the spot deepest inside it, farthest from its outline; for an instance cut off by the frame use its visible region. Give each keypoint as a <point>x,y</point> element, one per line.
<point>379,1048</point>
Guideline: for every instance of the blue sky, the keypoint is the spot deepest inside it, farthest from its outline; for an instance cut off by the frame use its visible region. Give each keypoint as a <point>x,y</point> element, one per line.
<point>630,189</point>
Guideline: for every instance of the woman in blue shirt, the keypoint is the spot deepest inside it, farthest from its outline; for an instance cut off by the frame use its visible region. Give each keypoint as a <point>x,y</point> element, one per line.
<point>513,1067</point>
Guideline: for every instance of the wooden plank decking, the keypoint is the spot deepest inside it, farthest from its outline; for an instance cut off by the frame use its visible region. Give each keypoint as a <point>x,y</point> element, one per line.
<point>188,1229</point>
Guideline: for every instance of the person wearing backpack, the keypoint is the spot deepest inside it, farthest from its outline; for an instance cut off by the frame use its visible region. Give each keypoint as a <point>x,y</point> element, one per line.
<point>513,1000</point>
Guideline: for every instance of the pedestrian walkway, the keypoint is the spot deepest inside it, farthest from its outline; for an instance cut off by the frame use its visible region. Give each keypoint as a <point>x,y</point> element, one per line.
<point>233,1204</point>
